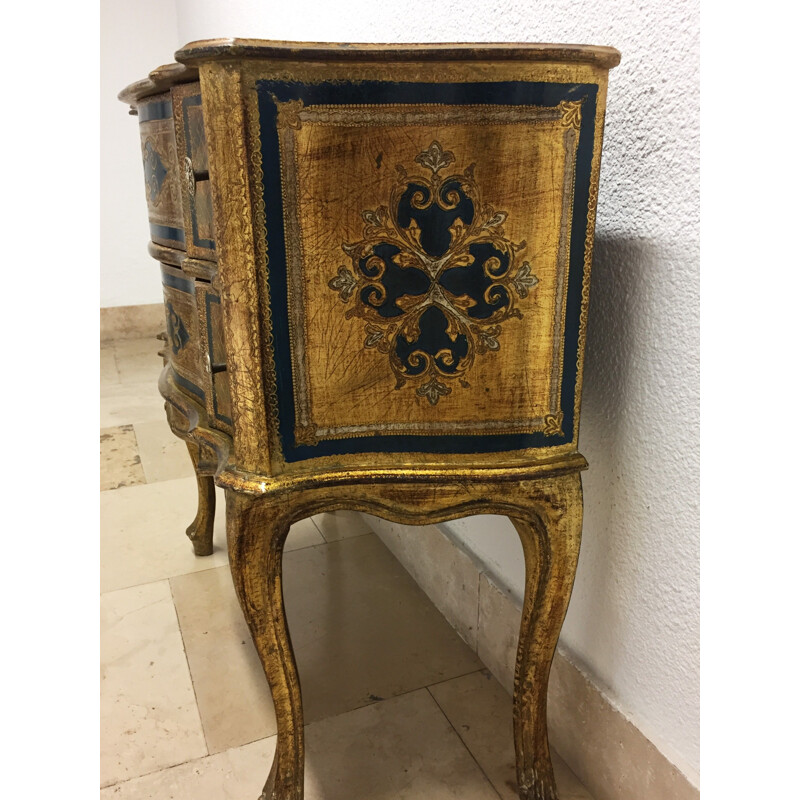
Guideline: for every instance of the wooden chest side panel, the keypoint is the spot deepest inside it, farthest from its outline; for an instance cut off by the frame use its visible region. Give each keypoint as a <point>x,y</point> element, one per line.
<point>414,322</point>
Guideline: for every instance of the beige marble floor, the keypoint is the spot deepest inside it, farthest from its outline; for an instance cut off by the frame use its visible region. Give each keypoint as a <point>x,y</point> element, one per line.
<point>397,706</point>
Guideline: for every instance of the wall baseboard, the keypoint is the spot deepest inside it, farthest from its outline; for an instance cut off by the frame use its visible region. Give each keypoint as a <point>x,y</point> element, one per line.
<point>131,322</point>
<point>607,752</point>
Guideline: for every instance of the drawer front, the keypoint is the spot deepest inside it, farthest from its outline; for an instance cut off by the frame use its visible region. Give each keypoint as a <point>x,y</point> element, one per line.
<point>429,242</point>
<point>196,187</point>
<point>218,404</point>
<point>161,171</point>
<point>184,347</point>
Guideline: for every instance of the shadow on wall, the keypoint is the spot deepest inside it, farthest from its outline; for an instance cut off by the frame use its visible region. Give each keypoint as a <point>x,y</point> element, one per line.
<point>615,302</point>
<point>616,307</point>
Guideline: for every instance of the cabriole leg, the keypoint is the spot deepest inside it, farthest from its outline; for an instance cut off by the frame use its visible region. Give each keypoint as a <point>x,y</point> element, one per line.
<point>201,531</point>
<point>550,531</point>
<point>256,535</point>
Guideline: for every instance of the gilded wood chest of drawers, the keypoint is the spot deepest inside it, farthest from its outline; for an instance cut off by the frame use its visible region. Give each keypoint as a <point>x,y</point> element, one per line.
<point>375,263</point>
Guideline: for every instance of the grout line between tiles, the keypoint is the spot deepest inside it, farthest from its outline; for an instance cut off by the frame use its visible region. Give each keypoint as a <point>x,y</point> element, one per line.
<point>331,541</point>
<point>326,543</point>
<point>319,530</point>
<point>152,772</point>
<point>116,362</point>
<point>139,453</point>
<point>456,677</point>
<point>189,667</point>
<point>478,619</point>
<point>307,725</point>
<point>158,580</point>
<point>323,543</point>
<point>219,566</point>
<point>188,761</point>
<point>394,696</point>
<point>460,738</point>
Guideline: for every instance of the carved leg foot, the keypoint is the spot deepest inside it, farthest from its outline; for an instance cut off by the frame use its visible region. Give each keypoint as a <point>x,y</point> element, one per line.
<point>550,530</point>
<point>256,535</point>
<point>201,531</point>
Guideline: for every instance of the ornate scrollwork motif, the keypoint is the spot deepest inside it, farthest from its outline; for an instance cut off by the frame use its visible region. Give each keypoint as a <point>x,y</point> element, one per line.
<point>154,172</point>
<point>289,113</point>
<point>552,424</point>
<point>571,113</point>
<point>434,276</point>
<point>177,335</point>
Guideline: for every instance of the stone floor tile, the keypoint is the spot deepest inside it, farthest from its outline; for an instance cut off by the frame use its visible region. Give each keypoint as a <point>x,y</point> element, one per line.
<point>120,464</point>
<point>403,748</point>
<point>129,403</point>
<point>231,689</point>
<point>362,631</point>
<point>108,366</point>
<point>236,774</point>
<point>303,534</point>
<point>138,360</point>
<point>479,709</point>
<point>445,573</point>
<point>142,533</point>
<point>164,456</point>
<point>149,718</point>
<point>336,525</point>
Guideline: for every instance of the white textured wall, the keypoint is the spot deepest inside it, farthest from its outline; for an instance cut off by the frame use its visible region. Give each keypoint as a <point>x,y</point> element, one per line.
<point>634,619</point>
<point>136,37</point>
<point>633,623</point>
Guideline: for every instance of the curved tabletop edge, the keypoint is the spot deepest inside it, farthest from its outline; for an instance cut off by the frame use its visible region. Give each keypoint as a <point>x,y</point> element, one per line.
<point>215,49</point>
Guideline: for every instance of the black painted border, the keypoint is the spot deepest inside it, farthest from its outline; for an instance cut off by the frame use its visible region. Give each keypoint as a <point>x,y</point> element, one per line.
<point>168,233</point>
<point>177,282</point>
<point>187,384</point>
<point>521,93</point>
<point>158,109</point>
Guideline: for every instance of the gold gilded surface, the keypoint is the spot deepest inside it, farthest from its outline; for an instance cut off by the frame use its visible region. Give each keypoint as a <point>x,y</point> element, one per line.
<point>231,181</point>
<point>339,168</point>
<point>420,71</point>
<point>307,428</point>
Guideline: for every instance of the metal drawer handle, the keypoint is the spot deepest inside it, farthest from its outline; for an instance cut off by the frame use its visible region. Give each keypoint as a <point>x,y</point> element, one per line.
<point>188,171</point>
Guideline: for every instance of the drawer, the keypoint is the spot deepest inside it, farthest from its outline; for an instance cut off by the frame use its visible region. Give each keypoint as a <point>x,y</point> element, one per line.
<point>190,134</point>
<point>184,345</point>
<point>222,418</point>
<point>218,404</point>
<point>162,171</point>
